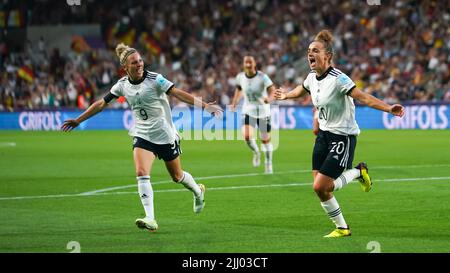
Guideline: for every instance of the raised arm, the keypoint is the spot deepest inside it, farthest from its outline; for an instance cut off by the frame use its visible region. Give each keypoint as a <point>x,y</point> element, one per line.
<point>184,96</point>
<point>371,101</point>
<point>297,92</point>
<point>95,108</point>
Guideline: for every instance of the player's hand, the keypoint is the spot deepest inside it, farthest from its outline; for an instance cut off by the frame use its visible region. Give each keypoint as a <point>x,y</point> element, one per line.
<point>69,125</point>
<point>397,110</point>
<point>280,94</point>
<point>233,108</point>
<point>214,109</point>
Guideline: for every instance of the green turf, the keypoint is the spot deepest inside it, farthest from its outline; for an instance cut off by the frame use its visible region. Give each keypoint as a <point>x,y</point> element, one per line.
<point>275,213</point>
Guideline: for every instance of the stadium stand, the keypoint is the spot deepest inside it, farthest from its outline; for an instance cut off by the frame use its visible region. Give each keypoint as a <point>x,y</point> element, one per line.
<point>397,51</point>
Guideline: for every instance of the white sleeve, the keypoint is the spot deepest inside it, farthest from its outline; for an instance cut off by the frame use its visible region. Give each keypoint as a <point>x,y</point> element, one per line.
<point>238,81</point>
<point>163,84</point>
<point>305,84</point>
<point>116,90</point>
<point>344,83</point>
<point>267,82</point>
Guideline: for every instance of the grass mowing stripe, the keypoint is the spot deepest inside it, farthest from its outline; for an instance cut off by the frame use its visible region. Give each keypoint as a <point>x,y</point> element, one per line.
<point>196,178</point>
<point>402,216</point>
<point>217,188</point>
<point>254,174</point>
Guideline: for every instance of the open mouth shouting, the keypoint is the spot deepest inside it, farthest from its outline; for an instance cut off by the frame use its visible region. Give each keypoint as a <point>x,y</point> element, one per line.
<point>312,62</point>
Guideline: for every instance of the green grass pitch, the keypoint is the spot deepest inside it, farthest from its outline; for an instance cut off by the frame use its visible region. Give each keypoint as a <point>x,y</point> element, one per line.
<point>60,187</point>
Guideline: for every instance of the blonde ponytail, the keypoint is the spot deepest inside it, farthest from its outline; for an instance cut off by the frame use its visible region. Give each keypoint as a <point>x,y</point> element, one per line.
<point>123,51</point>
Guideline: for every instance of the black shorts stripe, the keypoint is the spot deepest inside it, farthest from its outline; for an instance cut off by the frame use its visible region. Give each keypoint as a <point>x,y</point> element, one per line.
<point>344,160</point>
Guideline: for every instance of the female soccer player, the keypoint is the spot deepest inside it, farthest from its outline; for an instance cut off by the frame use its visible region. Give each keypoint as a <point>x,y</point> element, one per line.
<point>258,92</point>
<point>332,93</point>
<point>154,133</point>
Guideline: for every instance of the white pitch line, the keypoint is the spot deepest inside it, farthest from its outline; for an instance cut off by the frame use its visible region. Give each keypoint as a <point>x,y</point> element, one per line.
<point>220,188</point>
<point>8,144</point>
<point>294,184</point>
<point>252,174</point>
<point>196,179</point>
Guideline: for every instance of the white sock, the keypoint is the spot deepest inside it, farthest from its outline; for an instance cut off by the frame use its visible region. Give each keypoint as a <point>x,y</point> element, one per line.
<point>146,194</point>
<point>345,178</point>
<point>252,144</point>
<point>333,210</point>
<point>267,149</point>
<point>189,183</point>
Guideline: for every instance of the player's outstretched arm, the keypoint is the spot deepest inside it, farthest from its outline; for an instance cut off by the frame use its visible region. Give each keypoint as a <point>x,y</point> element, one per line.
<point>281,94</point>
<point>96,107</point>
<point>184,96</point>
<point>371,101</point>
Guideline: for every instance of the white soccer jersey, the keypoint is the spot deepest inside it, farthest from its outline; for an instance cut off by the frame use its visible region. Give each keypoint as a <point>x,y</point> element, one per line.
<point>255,89</point>
<point>330,95</point>
<point>150,106</point>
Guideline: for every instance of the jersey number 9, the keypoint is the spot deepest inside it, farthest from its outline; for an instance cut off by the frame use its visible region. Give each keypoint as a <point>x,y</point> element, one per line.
<point>143,114</point>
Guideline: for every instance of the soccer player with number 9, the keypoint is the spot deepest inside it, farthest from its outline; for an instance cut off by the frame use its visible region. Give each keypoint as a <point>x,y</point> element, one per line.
<point>154,134</point>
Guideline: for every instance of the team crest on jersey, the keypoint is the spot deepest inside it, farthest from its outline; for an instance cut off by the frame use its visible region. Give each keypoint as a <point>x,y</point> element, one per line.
<point>138,99</point>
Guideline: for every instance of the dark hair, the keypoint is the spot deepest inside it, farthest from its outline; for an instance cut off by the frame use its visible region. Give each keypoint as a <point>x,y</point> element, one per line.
<point>326,38</point>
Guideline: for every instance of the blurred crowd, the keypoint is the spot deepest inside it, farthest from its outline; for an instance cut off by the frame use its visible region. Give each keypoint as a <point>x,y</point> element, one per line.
<point>398,51</point>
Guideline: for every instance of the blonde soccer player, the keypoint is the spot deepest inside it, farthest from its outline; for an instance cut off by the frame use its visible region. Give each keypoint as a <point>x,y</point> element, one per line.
<point>154,134</point>
<point>258,90</point>
<point>332,93</point>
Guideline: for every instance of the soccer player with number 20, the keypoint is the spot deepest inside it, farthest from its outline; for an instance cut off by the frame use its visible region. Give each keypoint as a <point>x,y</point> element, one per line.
<point>332,94</point>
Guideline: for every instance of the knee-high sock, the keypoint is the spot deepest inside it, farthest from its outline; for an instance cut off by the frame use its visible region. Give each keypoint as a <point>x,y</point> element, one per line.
<point>345,178</point>
<point>253,146</point>
<point>333,210</point>
<point>146,194</point>
<point>267,149</point>
<point>189,183</point>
